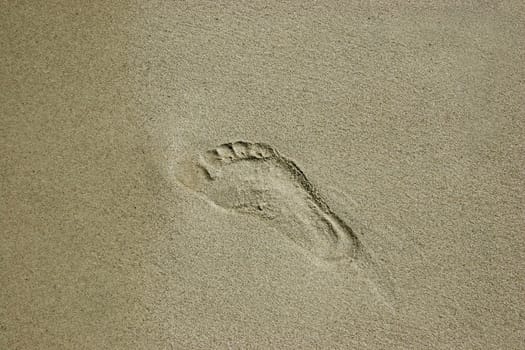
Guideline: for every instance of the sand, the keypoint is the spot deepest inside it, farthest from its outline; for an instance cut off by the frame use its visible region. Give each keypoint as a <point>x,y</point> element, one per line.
<point>262,175</point>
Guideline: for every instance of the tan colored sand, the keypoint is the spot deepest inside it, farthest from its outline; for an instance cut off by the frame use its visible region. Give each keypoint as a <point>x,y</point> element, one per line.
<point>408,118</point>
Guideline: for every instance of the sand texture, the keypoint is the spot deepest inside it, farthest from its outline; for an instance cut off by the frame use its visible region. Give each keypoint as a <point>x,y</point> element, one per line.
<point>262,175</point>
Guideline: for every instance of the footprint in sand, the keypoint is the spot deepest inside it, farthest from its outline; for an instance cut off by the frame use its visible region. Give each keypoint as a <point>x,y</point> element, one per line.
<point>253,178</point>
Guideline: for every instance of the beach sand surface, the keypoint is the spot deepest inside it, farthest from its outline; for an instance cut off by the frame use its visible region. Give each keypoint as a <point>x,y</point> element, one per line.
<point>262,175</point>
